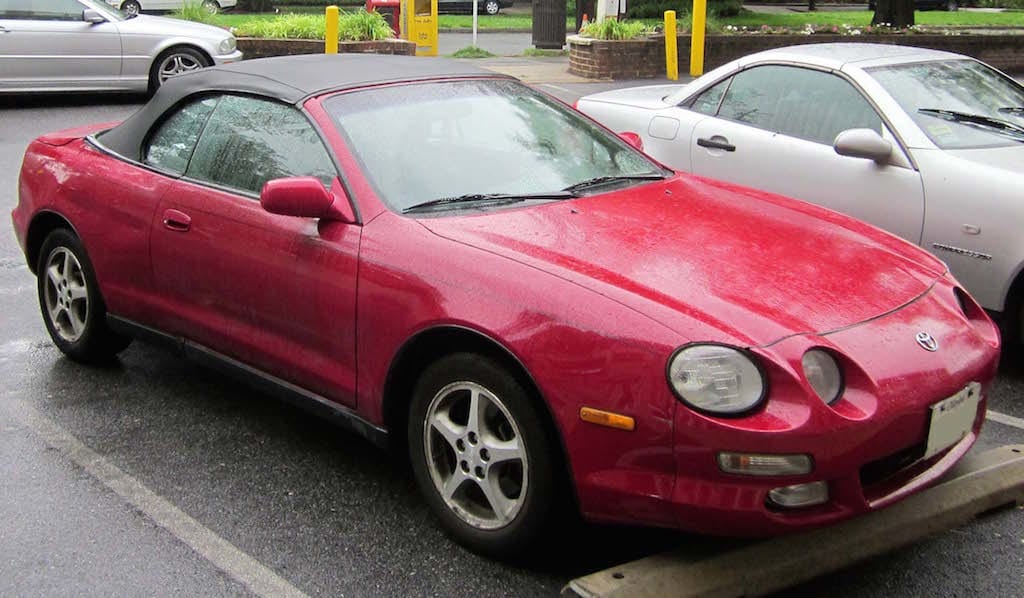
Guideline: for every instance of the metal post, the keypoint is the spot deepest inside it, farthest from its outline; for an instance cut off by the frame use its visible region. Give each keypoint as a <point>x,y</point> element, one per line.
<point>331,30</point>
<point>671,51</point>
<point>700,12</point>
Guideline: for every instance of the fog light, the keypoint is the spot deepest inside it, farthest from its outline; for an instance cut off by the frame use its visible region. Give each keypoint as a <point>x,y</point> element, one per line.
<point>800,495</point>
<point>745,464</point>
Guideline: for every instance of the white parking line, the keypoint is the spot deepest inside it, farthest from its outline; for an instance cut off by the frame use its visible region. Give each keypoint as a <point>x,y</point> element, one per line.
<point>259,579</point>
<point>1008,420</point>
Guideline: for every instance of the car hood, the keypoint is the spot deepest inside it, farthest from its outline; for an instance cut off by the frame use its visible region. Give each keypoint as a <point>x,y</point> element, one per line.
<point>650,96</point>
<point>712,261</point>
<point>1009,158</point>
<point>166,27</point>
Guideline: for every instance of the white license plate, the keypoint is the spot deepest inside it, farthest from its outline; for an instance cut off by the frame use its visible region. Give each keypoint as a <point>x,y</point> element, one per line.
<point>952,418</point>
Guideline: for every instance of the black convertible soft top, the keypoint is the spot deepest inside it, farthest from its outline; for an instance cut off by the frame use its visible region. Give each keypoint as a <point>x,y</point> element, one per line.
<point>289,79</point>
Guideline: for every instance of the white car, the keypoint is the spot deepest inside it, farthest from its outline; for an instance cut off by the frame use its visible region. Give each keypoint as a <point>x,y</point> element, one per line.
<point>928,145</point>
<point>134,7</point>
<point>85,45</point>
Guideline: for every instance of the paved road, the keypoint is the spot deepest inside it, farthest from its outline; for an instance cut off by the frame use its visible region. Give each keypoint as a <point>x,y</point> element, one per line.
<point>91,460</point>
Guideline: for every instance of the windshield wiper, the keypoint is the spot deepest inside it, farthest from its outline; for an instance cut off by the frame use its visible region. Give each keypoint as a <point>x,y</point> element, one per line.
<point>978,119</point>
<point>601,180</point>
<point>492,198</point>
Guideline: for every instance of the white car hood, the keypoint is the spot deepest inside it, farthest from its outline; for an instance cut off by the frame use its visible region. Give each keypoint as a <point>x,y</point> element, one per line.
<point>1009,158</point>
<point>651,96</point>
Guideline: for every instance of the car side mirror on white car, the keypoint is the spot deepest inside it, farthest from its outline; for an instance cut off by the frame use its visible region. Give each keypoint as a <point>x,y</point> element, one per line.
<point>863,143</point>
<point>90,15</point>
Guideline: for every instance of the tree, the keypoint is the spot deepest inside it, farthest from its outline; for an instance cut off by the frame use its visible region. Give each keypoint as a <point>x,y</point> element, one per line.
<point>896,13</point>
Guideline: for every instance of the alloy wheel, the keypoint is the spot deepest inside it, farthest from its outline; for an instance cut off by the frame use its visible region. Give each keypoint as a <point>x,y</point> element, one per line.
<point>476,455</point>
<point>66,294</point>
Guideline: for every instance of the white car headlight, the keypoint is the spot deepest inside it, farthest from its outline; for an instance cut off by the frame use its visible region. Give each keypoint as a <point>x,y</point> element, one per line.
<point>823,374</point>
<point>716,378</point>
<point>227,46</point>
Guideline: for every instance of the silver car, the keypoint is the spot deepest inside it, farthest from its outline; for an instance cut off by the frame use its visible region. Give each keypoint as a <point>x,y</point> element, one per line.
<point>928,145</point>
<point>72,45</point>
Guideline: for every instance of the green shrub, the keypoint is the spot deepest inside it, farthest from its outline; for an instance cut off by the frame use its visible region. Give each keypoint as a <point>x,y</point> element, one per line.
<point>613,29</point>
<point>1018,4</point>
<point>362,26</point>
<point>355,26</point>
<point>193,11</point>
<point>471,52</point>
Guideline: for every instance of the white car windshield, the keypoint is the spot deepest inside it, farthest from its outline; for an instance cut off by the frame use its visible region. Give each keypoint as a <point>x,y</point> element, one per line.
<point>957,103</point>
<point>480,143</point>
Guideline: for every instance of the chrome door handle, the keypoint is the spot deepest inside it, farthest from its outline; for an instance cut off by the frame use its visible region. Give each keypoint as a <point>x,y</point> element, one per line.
<point>177,221</point>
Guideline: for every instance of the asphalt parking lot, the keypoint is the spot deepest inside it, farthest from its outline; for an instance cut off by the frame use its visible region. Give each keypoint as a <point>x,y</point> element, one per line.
<point>158,477</point>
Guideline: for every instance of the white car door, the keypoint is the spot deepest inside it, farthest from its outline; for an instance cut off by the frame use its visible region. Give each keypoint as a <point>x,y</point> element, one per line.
<point>772,128</point>
<point>46,45</point>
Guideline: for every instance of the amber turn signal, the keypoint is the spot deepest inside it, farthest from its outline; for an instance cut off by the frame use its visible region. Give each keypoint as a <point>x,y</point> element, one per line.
<point>608,419</point>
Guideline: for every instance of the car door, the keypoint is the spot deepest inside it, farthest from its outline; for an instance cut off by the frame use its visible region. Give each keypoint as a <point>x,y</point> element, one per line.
<point>772,127</point>
<point>45,44</point>
<point>274,292</point>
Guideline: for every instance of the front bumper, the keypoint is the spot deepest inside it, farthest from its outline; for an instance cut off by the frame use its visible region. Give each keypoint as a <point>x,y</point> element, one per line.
<point>868,447</point>
<point>228,58</point>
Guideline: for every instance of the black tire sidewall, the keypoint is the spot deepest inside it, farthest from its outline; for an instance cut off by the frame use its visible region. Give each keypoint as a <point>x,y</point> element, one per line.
<point>539,505</point>
<point>97,343</point>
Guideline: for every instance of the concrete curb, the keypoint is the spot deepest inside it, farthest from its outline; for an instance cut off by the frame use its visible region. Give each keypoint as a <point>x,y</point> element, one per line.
<point>980,483</point>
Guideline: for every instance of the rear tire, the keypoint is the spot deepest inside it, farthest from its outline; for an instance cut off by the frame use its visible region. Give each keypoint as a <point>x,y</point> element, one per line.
<point>211,6</point>
<point>952,5</point>
<point>483,456</point>
<point>70,301</point>
<point>492,7</point>
<point>131,8</point>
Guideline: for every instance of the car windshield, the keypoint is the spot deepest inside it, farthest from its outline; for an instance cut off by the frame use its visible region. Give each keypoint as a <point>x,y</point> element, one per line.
<point>480,143</point>
<point>957,103</point>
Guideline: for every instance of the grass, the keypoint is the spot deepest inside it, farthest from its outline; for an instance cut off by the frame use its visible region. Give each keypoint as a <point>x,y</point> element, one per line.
<point>498,21</point>
<point>537,52</point>
<point>931,18</point>
<point>471,52</point>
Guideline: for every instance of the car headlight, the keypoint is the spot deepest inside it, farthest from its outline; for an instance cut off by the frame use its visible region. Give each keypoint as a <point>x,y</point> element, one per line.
<point>823,374</point>
<point>716,378</point>
<point>227,46</point>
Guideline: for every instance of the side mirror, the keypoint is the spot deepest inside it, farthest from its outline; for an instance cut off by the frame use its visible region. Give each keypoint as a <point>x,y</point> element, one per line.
<point>633,139</point>
<point>306,197</point>
<point>863,143</point>
<point>93,16</point>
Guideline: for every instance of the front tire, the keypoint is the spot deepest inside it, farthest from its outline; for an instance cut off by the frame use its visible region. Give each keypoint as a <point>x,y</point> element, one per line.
<point>211,6</point>
<point>175,61</point>
<point>492,7</point>
<point>482,455</point>
<point>70,301</point>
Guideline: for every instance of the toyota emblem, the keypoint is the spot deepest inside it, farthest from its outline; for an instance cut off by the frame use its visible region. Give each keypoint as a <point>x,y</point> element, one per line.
<point>927,341</point>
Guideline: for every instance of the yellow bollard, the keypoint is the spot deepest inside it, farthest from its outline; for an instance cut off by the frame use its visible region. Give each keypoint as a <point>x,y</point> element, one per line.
<point>671,51</point>
<point>700,13</point>
<point>331,31</point>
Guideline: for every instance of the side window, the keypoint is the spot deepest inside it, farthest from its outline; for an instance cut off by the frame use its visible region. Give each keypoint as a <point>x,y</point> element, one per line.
<point>175,138</point>
<point>798,102</point>
<point>709,99</point>
<point>36,10</point>
<point>249,141</point>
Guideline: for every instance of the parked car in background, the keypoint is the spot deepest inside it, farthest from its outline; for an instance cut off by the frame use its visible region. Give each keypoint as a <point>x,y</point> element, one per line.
<point>950,5</point>
<point>542,316</point>
<point>928,145</point>
<point>134,7</point>
<point>85,45</point>
<point>490,7</point>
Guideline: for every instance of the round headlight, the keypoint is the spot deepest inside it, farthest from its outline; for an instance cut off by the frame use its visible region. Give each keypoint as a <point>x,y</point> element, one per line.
<point>227,46</point>
<point>822,372</point>
<point>716,378</point>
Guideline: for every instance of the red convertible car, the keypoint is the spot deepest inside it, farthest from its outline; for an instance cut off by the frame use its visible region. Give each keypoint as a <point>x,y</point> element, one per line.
<point>444,259</point>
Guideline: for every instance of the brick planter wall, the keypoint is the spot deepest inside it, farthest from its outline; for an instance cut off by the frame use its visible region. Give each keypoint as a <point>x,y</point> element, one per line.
<point>253,47</point>
<point>635,59</point>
